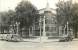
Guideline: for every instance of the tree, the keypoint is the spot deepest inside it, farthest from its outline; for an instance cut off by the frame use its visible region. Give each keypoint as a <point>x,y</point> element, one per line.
<point>74,23</point>
<point>64,12</point>
<point>67,11</point>
<point>6,19</point>
<point>26,13</point>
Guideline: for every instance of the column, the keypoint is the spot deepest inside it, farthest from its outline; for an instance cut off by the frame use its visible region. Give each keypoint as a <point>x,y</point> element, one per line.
<point>17,23</point>
<point>29,32</point>
<point>67,28</point>
<point>40,27</point>
<point>60,31</point>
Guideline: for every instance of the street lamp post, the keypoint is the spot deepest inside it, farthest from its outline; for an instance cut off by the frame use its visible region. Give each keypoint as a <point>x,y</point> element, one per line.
<point>44,38</point>
<point>44,33</point>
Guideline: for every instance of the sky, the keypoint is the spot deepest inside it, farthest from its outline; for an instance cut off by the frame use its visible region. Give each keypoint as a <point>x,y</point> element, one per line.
<point>5,5</point>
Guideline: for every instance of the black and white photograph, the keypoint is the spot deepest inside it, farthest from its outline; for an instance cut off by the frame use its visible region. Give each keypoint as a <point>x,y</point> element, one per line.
<point>38,24</point>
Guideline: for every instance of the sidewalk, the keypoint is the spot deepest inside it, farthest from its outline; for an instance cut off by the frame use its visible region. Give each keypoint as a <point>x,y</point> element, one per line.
<point>41,40</point>
<point>75,39</point>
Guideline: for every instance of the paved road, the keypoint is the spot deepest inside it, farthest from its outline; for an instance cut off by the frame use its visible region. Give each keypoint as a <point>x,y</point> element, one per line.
<point>39,46</point>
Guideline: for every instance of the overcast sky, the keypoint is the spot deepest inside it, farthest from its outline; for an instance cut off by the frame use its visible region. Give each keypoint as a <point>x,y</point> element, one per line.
<point>5,5</point>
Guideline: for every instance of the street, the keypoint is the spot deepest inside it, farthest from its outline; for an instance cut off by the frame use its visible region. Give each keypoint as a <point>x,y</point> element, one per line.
<point>72,45</point>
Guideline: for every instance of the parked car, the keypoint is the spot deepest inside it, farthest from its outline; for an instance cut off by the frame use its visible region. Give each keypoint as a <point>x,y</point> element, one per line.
<point>65,38</point>
<point>3,36</point>
<point>13,38</point>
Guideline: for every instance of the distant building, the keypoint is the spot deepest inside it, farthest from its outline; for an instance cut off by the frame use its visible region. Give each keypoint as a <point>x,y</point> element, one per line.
<point>50,21</point>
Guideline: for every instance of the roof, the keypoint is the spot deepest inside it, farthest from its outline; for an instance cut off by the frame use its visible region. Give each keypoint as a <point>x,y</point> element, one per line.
<point>41,11</point>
